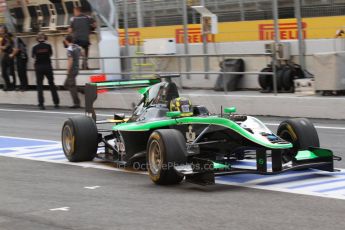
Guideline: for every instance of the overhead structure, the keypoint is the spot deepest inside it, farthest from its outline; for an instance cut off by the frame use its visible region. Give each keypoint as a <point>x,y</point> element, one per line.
<point>41,15</point>
<point>109,38</point>
<point>209,21</point>
<point>69,6</point>
<point>17,13</point>
<point>20,13</point>
<point>28,15</point>
<point>209,24</point>
<point>32,8</point>
<point>106,10</point>
<point>49,16</point>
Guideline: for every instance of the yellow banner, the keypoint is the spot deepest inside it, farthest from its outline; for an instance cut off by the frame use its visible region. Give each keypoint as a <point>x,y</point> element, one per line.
<point>313,28</point>
<point>3,7</point>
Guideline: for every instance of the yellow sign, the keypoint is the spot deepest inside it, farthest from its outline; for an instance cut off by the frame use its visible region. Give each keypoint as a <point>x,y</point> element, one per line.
<point>3,7</point>
<point>313,28</point>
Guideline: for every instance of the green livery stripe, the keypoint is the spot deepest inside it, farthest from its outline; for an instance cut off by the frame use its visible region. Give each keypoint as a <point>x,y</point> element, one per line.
<point>144,126</point>
<point>212,120</point>
<point>313,154</point>
<point>142,91</point>
<point>305,155</point>
<point>235,127</point>
<point>126,83</point>
<point>220,166</point>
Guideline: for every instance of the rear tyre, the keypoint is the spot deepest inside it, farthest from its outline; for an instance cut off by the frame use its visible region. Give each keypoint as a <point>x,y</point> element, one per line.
<point>279,79</point>
<point>287,79</point>
<point>166,148</point>
<point>79,139</point>
<point>266,81</point>
<point>298,72</point>
<point>301,133</point>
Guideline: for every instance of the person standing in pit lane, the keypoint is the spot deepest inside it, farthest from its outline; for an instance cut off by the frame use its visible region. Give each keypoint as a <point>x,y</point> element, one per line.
<point>73,54</point>
<point>7,60</point>
<point>42,53</point>
<point>21,58</point>
<point>80,28</point>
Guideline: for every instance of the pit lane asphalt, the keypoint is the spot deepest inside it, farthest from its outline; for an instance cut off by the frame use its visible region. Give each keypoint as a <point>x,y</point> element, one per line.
<point>29,189</point>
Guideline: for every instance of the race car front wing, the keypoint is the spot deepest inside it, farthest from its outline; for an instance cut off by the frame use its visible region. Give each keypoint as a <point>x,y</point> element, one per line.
<point>203,171</point>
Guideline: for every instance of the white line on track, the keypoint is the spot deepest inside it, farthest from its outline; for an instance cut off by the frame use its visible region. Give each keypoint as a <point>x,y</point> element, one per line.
<point>47,153</point>
<point>16,149</point>
<point>64,209</point>
<point>37,151</point>
<point>92,187</point>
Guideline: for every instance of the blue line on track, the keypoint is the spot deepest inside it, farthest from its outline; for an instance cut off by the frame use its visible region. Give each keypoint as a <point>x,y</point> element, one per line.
<point>248,163</point>
<point>293,179</point>
<point>316,183</point>
<point>40,151</point>
<point>244,178</point>
<point>8,151</point>
<point>10,142</point>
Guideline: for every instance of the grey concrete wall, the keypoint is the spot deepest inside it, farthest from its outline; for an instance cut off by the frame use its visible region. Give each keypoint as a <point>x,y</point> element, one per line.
<point>253,64</point>
<point>247,103</point>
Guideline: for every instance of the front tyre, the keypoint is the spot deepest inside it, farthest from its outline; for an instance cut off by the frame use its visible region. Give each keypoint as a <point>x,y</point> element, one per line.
<point>301,133</point>
<point>79,139</point>
<point>165,149</point>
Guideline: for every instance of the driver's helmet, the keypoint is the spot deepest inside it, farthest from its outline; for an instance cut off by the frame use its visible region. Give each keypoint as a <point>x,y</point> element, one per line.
<point>183,105</point>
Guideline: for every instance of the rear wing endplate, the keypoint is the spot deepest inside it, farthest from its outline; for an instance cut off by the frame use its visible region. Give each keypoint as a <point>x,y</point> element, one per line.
<point>91,90</point>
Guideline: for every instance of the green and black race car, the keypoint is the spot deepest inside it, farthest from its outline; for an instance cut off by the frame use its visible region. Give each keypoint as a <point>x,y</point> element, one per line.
<point>174,139</point>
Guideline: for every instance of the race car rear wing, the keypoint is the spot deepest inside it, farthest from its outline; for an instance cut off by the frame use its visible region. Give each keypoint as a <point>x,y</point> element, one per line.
<point>92,89</point>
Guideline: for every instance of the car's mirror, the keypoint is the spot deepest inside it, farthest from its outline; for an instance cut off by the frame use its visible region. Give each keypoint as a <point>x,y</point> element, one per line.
<point>173,114</point>
<point>230,110</point>
<point>119,116</point>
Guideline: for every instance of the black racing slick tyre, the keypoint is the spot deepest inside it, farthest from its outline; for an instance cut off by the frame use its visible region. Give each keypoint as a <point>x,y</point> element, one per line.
<point>279,78</point>
<point>301,133</point>
<point>266,81</point>
<point>166,148</point>
<point>79,139</point>
<point>287,79</point>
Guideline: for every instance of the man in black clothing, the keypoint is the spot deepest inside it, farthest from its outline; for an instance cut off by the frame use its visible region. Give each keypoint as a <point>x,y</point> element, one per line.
<point>7,61</point>
<point>42,52</point>
<point>81,27</point>
<point>21,59</point>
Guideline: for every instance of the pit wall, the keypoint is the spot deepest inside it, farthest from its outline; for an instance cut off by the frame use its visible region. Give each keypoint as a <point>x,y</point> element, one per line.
<point>195,81</point>
<point>59,52</point>
<point>253,64</point>
<point>241,37</point>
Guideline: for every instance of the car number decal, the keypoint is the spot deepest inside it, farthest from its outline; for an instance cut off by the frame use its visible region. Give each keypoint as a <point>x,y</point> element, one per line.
<point>190,135</point>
